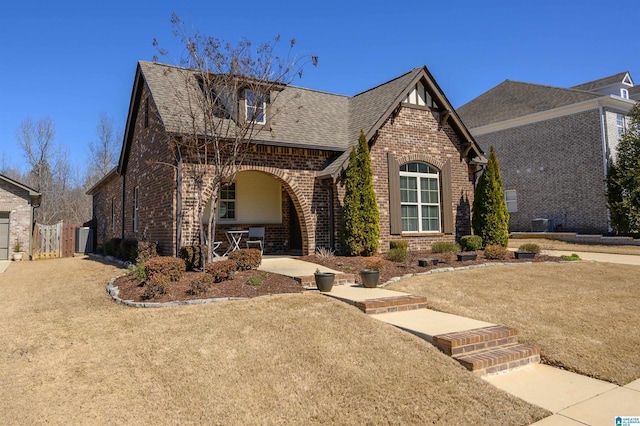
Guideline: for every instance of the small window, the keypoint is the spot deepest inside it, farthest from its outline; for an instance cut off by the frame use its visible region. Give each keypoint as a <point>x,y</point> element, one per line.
<point>511,198</point>
<point>624,93</point>
<point>113,215</point>
<point>256,107</point>
<point>227,209</point>
<point>136,206</point>
<point>620,124</point>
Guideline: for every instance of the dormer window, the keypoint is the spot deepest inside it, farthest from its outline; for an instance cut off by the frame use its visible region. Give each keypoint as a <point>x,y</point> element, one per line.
<point>256,107</point>
<point>624,93</point>
<point>420,96</point>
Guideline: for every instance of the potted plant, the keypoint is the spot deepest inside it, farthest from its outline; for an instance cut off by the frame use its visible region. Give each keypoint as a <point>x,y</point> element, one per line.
<point>370,276</point>
<point>324,280</point>
<point>17,251</point>
<point>527,251</point>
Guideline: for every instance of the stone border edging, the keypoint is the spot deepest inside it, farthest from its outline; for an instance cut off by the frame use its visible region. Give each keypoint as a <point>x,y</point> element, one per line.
<point>114,292</point>
<point>461,268</point>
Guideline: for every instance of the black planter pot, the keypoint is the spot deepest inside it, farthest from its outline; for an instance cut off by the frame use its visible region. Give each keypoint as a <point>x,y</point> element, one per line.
<point>370,278</point>
<point>467,256</point>
<point>324,281</point>
<point>525,255</point>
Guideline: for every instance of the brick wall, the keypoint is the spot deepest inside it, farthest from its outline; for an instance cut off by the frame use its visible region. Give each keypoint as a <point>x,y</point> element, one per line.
<point>156,181</point>
<point>108,226</point>
<point>16,201</point>
<point>556,167</point>
<point>414,134</point>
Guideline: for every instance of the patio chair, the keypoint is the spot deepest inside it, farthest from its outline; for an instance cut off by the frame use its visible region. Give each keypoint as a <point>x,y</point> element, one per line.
<point>256,238</point>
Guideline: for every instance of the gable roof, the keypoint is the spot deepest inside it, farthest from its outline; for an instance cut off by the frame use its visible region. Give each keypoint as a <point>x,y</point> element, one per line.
<point>621,77</point>
<point>34,195</point>
<point>311,119</point>
<point>512,99</point>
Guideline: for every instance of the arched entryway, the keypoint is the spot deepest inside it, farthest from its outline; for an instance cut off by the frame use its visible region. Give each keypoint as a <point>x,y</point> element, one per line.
<point>265,198</point>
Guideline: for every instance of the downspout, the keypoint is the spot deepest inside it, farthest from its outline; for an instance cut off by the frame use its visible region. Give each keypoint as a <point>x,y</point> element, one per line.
<point>605,161</point>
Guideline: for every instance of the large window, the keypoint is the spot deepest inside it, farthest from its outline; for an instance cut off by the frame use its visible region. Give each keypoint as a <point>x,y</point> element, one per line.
<point>419,198</point>
<point>256,107</point>
<point>228,201</point>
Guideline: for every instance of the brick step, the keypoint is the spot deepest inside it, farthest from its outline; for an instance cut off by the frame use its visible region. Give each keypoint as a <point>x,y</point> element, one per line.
<point>491,361</point>
<point>465,342</point>
<point>391,304</point>
<point>309,281</point>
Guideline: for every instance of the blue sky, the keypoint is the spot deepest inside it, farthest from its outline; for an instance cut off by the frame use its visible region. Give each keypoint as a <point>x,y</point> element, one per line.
<point>70,60</point>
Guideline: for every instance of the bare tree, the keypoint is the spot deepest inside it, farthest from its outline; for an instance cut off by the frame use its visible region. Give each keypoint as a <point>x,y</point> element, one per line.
<point>103,153</point>
<point>222,106</point>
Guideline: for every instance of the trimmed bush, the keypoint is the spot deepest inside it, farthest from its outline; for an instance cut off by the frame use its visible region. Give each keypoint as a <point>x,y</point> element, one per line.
<point>157,285</point>
<point>471,242</point>
<point>246,258</point>
<point>396,255</point>
<point>127,250</point>
<point>201,284</point>
<point>399,244</point>
<point>573,256</point>
<point>139,272</point>
<point>221,270</point>
<point>445,247</point>
<point>146,251</point>
<point>495,252</point>
<point>171,268</point>
<point>530,247</point>
<point>194,256</point>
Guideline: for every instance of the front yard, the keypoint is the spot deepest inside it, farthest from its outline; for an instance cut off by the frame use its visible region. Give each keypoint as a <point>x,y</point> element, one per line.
<point>70,355</point>
<point>584,316</point>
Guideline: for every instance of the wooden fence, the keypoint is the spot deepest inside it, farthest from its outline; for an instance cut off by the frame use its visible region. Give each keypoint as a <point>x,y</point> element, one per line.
<point>51,241</point>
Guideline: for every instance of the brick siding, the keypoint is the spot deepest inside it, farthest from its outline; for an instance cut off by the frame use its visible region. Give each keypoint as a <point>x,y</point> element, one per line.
<point>16,201</point>
<point>556,167</point>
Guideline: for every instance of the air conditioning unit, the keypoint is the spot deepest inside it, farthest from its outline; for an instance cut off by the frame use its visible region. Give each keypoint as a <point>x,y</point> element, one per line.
<point>539,225</point>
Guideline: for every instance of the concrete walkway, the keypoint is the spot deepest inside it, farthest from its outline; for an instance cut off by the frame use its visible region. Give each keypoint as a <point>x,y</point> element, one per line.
<point>4,264</point>
<point>627,259</point>
<point>572,398</point>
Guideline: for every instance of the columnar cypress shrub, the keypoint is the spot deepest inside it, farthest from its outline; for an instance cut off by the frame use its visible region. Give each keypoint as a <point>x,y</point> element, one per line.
<point>490,216</point>
<point>360,216</point>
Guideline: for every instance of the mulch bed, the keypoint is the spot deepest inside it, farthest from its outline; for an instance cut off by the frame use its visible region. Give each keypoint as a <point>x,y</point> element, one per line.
<point>353,264</point>
<point>132,289</point>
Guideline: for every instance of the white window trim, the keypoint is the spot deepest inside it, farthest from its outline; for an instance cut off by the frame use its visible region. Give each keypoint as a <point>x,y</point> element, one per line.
<point>419,203</point>
<point>248,107</point>
<point>624,93</point>
<point>234,200</point>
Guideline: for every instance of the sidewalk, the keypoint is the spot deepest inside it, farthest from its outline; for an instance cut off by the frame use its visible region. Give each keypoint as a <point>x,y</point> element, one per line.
<point>627,259</point>
<point>4,264</point>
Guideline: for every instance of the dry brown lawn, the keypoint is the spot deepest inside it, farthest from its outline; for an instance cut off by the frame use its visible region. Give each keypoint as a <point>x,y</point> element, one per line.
<point>70,355</point>
<point>546,244</point>
<point>584,316</point>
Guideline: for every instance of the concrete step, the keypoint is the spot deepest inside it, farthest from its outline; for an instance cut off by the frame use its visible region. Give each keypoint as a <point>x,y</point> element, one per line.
<point>470,341</point>
<point>496,360</point>
<point>384,305</point>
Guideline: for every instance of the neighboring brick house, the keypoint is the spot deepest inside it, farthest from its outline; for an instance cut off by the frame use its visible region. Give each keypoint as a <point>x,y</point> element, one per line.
<point>424,162</point>
<point>554,146</point>
<point>17,202</point>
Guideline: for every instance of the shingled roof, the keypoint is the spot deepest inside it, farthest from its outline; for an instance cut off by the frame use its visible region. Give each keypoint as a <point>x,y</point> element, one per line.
<point>602,82</point>
<point>306,118</point>
<point>512,99</point>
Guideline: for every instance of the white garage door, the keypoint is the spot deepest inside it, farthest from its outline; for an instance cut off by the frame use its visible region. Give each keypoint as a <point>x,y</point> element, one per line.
<point>4,235</point>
